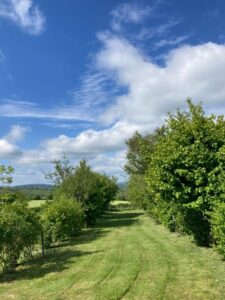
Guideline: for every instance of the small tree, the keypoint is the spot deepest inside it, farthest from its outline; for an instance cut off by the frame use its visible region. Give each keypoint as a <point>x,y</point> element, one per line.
<point>6,179</point>
<point>62,170</point>
<point>19,232</point>
<point>61,219</point>
<point>5,175</point>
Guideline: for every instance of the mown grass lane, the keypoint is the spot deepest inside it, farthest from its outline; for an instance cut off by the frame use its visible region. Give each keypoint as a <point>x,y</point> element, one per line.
<point>125,256</point>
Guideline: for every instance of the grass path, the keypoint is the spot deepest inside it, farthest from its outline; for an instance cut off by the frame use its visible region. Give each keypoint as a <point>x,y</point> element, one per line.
<point>126,256</point>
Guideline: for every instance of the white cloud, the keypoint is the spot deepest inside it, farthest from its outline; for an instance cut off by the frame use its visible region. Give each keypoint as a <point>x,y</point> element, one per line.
<point>24,13</point>
<point>8,147</point>
<point>152,90</point>
<point>36,157</point>
<point>188,71</point>
<point>92,142</point>
<point>8,150</point>
<point>89,144</point>
<point>94,90</point>
<point>112,165</point>
<point>159,30</point>
<point>16,133</point>
<point>21,109</point>
<point>128,13</point>
<point>171,42</point>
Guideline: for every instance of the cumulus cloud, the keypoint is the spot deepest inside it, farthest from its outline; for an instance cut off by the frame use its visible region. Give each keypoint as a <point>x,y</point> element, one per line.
<point>152,90</point>
<point>8,147</point>
<point>188,71</point>
<point>16,133</point>
<point>8,150</point>
<point>110,164</point>
<point>146,90</point>
<point>24,13</point>
<point>91,142</point>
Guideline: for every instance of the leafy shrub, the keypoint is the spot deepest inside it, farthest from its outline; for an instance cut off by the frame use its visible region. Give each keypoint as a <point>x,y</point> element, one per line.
<point>19,232</point>
<point>61,219</point>
<point>137,192</point>
<point>186,168</point>
<point>218,227</point>
<point>92,190</point>
<point>8,196</point>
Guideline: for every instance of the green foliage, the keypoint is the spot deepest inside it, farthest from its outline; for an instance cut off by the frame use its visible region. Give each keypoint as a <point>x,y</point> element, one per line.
<point>122,192</point>
<point>139,151</point>
<point>10,196</point>
<point>137,192</point>
<point>62,169</point>
<point>93,190</point>
<point>36,193</point>
<point>5,175</point>
<point>61,219</point>
<point>218,227</point>
<point>19,232</point>
<point>186,169</point>
<point>125,252</point>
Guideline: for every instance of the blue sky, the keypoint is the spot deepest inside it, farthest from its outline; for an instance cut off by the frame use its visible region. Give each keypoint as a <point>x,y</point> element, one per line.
<point>79,77</point>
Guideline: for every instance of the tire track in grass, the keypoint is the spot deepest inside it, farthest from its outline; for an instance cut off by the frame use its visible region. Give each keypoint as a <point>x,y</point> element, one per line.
<point>122,266</point>
<point>153,246</point>
<point>127,290</point>
<point>102,263</point>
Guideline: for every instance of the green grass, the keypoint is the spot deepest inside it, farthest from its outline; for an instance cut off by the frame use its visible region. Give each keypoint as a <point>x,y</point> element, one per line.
<point>126,256</point>
<point>120,203</point>
<point>36,203</point>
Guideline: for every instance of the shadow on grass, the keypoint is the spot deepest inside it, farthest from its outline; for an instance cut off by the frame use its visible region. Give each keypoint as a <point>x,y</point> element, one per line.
<point>118,219</point>
<point>121,215</point>
<point>52,263</point>
<point>62,256</point>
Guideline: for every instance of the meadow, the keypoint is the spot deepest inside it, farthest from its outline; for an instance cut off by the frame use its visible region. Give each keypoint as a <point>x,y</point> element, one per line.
<point>124,256</point>
<point>36,203</point>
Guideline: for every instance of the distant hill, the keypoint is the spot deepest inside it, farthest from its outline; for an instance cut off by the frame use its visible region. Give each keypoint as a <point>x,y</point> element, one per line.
<point>34,186</point>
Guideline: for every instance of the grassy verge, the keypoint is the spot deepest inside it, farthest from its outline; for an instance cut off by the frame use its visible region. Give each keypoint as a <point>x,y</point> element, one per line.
<point>126,256</point>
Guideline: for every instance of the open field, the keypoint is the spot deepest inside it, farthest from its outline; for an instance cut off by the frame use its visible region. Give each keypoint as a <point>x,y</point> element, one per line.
<point>36,203</point>
<point>126,256</point>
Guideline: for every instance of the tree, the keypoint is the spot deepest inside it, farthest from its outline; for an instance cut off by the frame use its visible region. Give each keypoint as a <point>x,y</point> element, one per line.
<point>19,233</point>
<point>139,151</point>
<point>5,175</point>
<point>62,169</point>
<point>61,219</point>
<point>186,170</point>
<point>93,190</point>
<point>136,191</point>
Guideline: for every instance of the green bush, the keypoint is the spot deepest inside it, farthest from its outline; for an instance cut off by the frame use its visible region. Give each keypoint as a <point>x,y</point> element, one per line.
<point>62,219</point>
<point>185,173</point>
<point>137,192</point>
<point>92,190</point>
<point>218,227</point>
<point>19,232</point>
